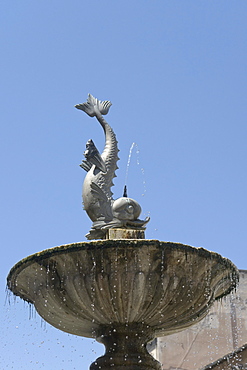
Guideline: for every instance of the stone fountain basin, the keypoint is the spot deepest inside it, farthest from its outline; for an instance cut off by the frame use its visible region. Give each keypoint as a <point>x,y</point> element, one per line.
<point>82,288</point>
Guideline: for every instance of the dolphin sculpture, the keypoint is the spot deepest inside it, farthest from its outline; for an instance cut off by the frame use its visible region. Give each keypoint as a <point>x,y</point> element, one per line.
<point>102,209</point>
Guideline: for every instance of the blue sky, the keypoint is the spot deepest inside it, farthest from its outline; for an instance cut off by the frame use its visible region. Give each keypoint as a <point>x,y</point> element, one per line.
<point>175,72</point>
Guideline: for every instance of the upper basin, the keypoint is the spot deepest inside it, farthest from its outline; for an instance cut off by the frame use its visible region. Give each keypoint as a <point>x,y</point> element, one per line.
<point>80,287</point>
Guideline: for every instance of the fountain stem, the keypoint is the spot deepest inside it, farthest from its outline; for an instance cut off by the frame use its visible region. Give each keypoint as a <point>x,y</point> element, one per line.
<point>125,348</point>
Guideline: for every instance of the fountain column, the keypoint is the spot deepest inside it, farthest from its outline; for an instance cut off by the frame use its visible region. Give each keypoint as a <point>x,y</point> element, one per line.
<point>126,348</point>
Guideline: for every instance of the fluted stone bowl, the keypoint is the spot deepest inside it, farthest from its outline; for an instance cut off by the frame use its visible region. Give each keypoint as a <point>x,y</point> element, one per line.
<point>123,292</point>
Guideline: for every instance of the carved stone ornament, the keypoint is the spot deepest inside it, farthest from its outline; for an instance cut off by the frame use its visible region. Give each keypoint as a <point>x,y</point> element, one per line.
<point>103,210</point>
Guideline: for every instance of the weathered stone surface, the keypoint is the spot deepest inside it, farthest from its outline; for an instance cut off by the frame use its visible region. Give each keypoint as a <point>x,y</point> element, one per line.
<point>92,288</point>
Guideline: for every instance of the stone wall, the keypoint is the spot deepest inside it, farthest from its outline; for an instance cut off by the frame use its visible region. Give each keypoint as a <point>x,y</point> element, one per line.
<point>222,331</point>
<point>236,360</point>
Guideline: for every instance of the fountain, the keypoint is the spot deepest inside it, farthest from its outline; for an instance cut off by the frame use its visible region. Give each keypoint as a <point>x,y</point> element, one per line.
<point>122,289</point>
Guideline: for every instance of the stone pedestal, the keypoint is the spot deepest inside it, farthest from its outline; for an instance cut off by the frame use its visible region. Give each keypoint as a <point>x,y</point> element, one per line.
<point>116,234</point>
<point>126,348</point>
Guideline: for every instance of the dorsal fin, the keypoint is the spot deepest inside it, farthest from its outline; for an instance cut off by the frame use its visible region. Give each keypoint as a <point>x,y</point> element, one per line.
<point>86,165</point>
<point>93,156</point>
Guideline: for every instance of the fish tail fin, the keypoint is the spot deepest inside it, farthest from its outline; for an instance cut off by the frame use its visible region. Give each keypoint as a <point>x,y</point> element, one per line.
<point>93,105</point>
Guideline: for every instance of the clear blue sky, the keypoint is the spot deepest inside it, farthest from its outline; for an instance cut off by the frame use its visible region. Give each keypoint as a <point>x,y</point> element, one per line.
<point>176,73</point>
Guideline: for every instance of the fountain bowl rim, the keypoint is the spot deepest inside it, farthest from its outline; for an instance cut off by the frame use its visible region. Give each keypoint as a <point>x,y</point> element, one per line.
<point>118,243</point>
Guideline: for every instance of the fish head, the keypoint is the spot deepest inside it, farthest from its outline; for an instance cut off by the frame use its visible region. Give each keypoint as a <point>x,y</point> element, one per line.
<point>126,209</point>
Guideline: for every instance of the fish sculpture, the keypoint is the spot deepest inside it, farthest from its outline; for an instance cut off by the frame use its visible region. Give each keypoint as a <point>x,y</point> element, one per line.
<point>102,209</point>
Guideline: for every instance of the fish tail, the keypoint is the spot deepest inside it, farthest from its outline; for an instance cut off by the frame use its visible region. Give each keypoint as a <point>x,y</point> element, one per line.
<point>92,106</point>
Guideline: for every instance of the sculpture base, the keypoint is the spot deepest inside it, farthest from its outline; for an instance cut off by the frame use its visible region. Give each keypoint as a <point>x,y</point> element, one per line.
<point>125,348</point>
<point>125,234</point>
